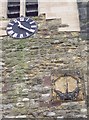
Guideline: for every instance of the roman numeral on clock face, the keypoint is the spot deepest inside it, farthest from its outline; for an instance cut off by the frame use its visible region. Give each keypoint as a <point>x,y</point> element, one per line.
<point>33,26</point>
<point>27,34</point>
<point>15,20</point>
<point>27,19</point>
<point>9,28</point>
<point>15,35</point>
<point>11,24</point>
<point>10,32</point>
<point>32,22</point>
<point>21,35</point>
<point>32,30</point>
<point>22,19</point>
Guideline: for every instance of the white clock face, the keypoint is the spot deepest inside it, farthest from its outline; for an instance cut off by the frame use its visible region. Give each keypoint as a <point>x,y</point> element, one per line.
<point>22,27</point>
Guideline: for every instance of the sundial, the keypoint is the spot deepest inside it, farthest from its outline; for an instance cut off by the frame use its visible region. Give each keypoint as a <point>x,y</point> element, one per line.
<point>66,88</point>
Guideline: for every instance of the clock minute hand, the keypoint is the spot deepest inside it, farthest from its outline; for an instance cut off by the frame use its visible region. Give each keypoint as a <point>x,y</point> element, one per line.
<point>21,26</point>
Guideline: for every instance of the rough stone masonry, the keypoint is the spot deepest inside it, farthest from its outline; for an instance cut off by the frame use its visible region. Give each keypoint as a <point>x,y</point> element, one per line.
<point>29,66</point>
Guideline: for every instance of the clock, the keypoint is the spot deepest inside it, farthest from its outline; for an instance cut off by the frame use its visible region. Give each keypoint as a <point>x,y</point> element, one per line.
<point>22,27</point>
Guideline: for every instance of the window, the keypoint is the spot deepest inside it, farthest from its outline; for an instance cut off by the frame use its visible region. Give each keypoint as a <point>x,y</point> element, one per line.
<point>14,8</point>
<point>31,7</point>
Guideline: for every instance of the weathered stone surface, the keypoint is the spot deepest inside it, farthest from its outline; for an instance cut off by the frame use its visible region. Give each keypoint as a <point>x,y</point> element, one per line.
<point>20,104</point>
<point>49,114</point>
<point>25,99</point>
<point>30,66</point>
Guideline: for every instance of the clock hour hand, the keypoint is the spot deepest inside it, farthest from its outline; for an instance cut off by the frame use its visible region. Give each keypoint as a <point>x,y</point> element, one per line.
<point>23,27</point>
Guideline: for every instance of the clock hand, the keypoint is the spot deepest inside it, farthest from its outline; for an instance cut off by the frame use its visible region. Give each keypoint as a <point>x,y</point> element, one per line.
<point>19,25</point>
<point>30,30</point>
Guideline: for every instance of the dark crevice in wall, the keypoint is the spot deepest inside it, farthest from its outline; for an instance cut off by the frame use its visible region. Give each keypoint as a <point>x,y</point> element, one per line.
<point>83,16</point>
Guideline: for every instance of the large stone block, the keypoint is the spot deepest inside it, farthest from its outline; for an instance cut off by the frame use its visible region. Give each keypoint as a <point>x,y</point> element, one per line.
<point>65,10</point>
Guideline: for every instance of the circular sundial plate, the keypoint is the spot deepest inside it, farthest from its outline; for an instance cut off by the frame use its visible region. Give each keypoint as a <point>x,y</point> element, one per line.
<point>61,84</point>
<point>66,88</point>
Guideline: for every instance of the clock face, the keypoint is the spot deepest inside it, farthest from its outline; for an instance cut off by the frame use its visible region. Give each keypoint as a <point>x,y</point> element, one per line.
<point>21,27</point>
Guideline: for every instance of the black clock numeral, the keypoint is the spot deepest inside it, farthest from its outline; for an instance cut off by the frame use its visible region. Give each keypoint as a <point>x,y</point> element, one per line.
<point>10,32</point>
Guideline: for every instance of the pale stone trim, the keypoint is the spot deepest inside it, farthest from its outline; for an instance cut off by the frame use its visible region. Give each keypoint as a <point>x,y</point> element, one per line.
<point>23,8</point>
<point>67,11</point>
<point>3,8</point>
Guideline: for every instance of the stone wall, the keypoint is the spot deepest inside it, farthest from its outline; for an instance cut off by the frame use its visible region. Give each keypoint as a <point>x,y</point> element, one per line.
<point>30,65</point>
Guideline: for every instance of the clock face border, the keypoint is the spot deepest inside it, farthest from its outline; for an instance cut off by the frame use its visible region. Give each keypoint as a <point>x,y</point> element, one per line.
<point>27,20</point>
